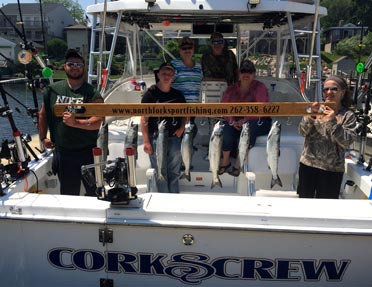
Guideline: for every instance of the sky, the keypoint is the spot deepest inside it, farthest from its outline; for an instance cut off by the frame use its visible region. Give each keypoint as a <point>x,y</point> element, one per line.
<point>83,3</point>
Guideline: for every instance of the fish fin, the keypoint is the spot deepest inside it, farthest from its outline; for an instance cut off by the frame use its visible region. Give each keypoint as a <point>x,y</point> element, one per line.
<point>277,181</point>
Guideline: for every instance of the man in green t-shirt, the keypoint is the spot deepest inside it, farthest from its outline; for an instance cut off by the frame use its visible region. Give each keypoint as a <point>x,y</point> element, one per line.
<point>73,137</point>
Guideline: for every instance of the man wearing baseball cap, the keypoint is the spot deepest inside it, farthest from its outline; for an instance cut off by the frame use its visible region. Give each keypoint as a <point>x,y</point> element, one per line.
<point>219,63</point>
<point>72,136</point>
<point>162,92</point>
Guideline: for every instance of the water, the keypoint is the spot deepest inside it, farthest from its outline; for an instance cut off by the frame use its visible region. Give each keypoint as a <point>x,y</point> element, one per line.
<point>23,121</point>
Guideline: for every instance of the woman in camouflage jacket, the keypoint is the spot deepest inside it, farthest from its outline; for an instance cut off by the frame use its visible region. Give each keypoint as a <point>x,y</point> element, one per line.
<point>327,136</point>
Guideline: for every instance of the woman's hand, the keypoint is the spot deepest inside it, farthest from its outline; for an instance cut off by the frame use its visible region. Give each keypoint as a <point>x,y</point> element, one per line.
<point>328,114</point>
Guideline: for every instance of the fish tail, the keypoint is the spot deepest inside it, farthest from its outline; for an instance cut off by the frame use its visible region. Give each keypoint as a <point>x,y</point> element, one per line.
<point>216,182</point>
<point>185,175</point>
<point>276,181</point>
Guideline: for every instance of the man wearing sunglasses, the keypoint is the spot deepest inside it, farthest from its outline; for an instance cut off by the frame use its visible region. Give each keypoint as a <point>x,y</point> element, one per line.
<point>219,63</point>
<point>72,137</point>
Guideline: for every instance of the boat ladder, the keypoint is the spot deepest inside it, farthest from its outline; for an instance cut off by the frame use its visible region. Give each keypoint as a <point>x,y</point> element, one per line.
<point>307,77</point>
<point>99,52</point>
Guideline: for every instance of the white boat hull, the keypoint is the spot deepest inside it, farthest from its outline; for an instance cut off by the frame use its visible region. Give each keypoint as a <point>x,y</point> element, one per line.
<point>208,240</point>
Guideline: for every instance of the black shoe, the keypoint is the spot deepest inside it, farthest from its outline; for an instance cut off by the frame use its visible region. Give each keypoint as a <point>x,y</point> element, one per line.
<point>234,171</point>
<point>223,169</point>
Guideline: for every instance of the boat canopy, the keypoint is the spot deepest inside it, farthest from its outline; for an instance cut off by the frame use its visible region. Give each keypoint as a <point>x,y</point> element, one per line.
<point>294,25</point>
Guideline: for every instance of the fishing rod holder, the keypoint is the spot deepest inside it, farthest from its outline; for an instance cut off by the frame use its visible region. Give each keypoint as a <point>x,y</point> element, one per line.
<point>118,174</point>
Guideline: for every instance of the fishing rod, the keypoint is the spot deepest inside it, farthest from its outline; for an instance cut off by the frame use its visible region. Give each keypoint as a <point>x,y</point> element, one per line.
<point>42,27</point>
<point>26,46</point>
<point>365,120</point>
<point>19,141</point>
<point>30,111</point>
<point>23,58</point>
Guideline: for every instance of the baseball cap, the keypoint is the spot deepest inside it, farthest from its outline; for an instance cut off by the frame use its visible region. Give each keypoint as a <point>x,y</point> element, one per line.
<point>72,53</point>
<point>186,41</point>
<point>247,66</point>
<point>216,35</point>
<point>166,65</point>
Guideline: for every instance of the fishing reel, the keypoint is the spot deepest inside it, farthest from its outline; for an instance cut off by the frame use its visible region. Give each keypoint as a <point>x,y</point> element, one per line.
<point>10,152</point>
<point>117,175</point>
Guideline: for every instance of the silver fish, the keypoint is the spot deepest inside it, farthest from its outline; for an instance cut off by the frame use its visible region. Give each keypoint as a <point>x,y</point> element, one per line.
<point>132,137</point>
<point>162,150</point>
<point>187,150</point>
<point>102,140</point>
<point>215,147</point>
<point>243,145</point>
<point>273,152</point>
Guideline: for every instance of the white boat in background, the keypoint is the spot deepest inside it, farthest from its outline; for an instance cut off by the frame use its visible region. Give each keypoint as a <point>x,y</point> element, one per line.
<point>244,234</point>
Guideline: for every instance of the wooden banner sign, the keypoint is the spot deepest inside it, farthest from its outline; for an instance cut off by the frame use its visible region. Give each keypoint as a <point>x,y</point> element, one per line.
<point>189,109</point>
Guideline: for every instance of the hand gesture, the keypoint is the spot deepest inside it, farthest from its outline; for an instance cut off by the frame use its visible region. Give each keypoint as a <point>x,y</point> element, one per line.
<point>68,119</point>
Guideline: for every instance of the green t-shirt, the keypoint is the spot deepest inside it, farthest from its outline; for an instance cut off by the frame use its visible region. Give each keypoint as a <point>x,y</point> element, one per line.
<point>64,137</point>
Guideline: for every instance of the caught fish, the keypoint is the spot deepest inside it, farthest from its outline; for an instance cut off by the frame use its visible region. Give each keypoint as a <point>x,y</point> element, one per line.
<point>215,147</point>
<point>162,150</point>
<point>187,150</point>
<point>273,152</point>
<point>132,137</point>
<point>102,140</point>
<point>243,145</point>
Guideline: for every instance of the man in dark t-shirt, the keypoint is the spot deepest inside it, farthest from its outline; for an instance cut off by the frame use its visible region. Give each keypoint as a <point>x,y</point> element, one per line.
<point>73,137</point>
<point>162,92</point>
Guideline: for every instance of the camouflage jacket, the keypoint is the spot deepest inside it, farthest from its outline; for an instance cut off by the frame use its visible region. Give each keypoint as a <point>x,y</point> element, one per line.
<point>222,66</point>
<point>326,142</point>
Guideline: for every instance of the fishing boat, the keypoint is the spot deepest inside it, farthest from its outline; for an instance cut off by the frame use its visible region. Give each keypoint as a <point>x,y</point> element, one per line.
<point>245,233</point>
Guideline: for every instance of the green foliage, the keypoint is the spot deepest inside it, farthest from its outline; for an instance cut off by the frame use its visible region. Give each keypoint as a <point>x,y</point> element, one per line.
<point>351,46</point>
<point>57,48</point>
<point>328,57</point>
<point>172,47</point>
<point>202,49</point>
<point>117,66</point>
<point>341,12</point>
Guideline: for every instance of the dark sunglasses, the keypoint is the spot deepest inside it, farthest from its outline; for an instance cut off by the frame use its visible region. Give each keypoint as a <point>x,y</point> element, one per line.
<point>75,65</point>
<point>217,42</point>
<point>332,89</point>
<point>186,48</point>
<point>246,71</point>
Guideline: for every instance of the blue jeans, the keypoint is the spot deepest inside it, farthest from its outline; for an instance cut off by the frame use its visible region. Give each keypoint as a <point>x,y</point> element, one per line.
<point>231,135</point>
<point>173,165</point>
